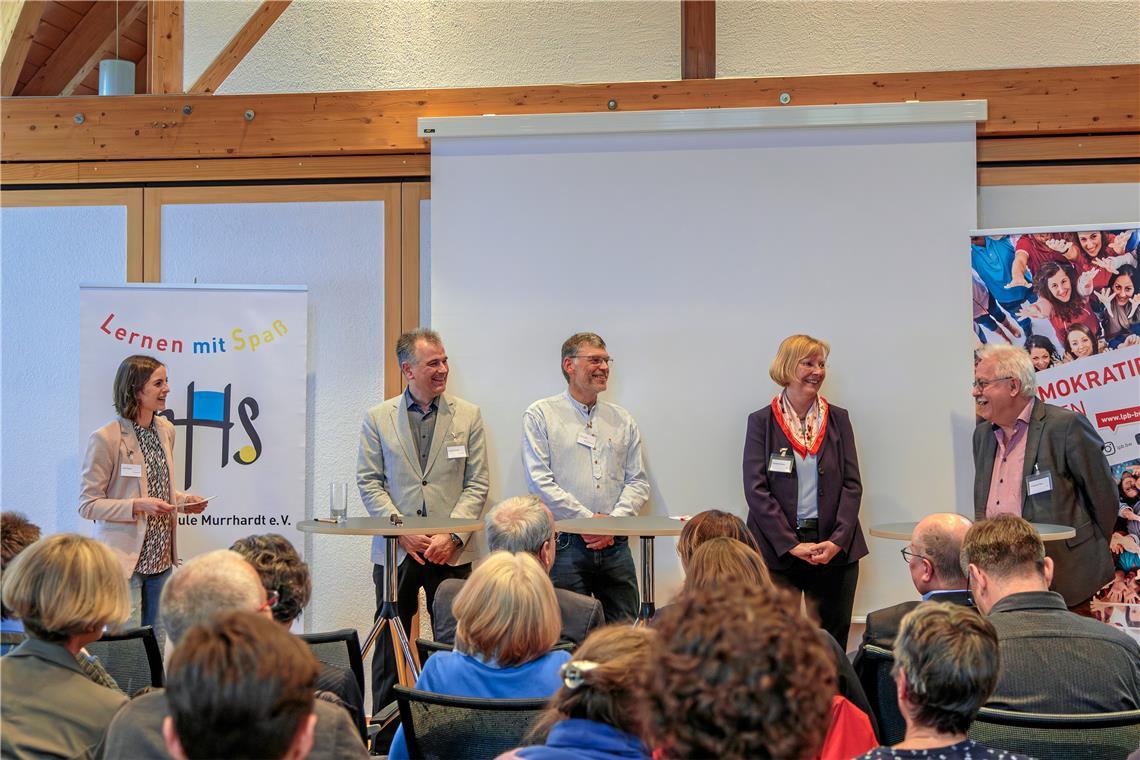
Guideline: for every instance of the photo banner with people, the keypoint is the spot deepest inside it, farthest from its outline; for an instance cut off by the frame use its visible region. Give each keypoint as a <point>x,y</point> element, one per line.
<point>235,358</point>
<point>1069,296</point>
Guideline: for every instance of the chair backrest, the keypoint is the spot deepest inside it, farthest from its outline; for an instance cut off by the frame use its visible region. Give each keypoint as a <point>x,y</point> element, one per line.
<point>132,657</point>
<point>442,727</point>
<point>427,647</point>
<point>1047,736</point>
<point>340,648</point>
<point>879,686</point>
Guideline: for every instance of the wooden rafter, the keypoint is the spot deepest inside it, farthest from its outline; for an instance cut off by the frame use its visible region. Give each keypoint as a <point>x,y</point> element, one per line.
<point>233,53</point>
<point>81,51</point>
<point>19,22</point>
<point>164,48</point>
<point>1047,102</point>
<point>698,39</point>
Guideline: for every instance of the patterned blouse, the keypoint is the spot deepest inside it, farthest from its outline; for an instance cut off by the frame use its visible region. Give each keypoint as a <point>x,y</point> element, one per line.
<point>158,545</point>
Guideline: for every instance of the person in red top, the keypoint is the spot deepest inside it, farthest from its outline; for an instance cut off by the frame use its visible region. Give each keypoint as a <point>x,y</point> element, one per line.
<point>1035,249</point>
<point>1063,300</point>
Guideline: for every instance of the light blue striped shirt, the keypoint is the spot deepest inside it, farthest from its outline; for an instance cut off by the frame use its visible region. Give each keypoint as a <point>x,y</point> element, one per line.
<point>573,478</point>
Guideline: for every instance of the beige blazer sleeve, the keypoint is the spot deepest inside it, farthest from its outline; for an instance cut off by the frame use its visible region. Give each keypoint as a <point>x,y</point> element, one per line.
<point>105,494</point>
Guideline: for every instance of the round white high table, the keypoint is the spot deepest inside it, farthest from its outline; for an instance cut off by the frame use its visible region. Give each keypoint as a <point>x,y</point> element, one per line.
<point>902,531</point>
<point>646,528</point>
<point>407,666</point>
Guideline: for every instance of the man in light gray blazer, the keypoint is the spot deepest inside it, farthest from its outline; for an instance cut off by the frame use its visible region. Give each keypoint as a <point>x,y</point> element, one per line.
<point>421,453</point>
<point>523,524</point>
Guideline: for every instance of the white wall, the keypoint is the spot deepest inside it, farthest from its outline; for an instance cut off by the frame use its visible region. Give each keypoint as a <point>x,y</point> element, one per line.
<point>1024,206</point>
<point>330,45</point>
<point>46,253</point>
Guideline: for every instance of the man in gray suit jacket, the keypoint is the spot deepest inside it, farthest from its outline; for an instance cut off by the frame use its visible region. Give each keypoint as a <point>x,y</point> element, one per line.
<point>517,525</point>
<point>421,453</point>
<point>1052,661</point>
<point>1045,464</point>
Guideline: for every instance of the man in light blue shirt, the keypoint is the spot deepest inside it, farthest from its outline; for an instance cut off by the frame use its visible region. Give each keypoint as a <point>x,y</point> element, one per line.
<point>582,457</point>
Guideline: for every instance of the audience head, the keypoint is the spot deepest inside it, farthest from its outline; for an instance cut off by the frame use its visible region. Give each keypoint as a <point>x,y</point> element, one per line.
<point>522,524</point>
<point>720,561</point>
<point>16,534</point>
<point>711,523</point>
<point>946,666</point>
<point>281,571</point>
<point>605,682</point>
<point>240,686</point>
<point>130,379</point>
<point>506,612</point>
<point>936,552</point>
<point>206,586</point>
<point>1004,556</point>
<point>66,588</point>
<point>739,673</point>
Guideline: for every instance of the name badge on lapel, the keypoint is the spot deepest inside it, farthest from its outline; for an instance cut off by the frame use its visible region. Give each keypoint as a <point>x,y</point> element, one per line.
<point>457,452</point>
<point>130,471</point>
<point>587,439</point>
<point>1039,482</point>
<point>782,463</point>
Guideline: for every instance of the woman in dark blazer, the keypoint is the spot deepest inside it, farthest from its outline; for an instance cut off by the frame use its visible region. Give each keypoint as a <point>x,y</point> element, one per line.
<point>801,481</point>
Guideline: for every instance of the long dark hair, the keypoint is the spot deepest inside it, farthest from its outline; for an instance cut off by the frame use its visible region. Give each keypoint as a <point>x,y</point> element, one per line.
<point>1066,310</point>
<point>1042,342</point>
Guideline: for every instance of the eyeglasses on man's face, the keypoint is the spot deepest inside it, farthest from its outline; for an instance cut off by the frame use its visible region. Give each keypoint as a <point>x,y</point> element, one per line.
<point>595,361</point>
<point>908,554</point>
<point>272,597</point>
<point>983,384</point>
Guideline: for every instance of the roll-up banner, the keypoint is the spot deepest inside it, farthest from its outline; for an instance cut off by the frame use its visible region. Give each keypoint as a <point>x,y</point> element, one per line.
<point>1069,297</point>
<point>236,362</point>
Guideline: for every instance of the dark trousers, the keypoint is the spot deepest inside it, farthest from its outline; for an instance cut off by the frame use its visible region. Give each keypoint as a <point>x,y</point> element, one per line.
<point>830,588</point>
<point>410,577</point>
<point>606,574</point>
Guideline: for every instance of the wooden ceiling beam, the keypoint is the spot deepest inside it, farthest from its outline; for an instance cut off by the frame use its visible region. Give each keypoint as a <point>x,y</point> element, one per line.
<point>1049,101</point>
<point>164,51</point>
<point>107,49</point>
<point>83,48</point>
<point>698,39</point>
<point>233,53</point>
<point>18,24</point>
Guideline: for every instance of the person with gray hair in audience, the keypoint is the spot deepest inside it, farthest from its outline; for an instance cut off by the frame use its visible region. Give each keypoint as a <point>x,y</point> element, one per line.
<point>204,588</point>
<point>946,665</point>
<point>1053,660</point>
<point>522,525</point>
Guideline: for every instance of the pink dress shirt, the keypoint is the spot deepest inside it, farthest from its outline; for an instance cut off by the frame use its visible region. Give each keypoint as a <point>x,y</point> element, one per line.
<point>1009,465</point>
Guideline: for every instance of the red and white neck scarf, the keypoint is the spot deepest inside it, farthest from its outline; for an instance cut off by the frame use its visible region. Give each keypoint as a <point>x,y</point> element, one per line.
<point>805,434</point>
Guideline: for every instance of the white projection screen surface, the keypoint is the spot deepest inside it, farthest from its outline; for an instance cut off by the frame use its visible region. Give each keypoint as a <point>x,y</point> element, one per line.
<point>693,255</point>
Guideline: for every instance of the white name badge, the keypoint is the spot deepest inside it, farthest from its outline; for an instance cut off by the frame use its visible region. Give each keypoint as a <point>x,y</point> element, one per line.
<point>781,464</point>
<point>1039,483</point>
<point>457,452</point>
<point>589,440</point>
<point>130,471</point>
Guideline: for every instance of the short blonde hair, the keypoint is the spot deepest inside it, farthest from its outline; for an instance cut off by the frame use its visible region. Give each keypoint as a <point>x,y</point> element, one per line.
<point>793,350</point>
<point>507,611</point>
<point>66,584</point>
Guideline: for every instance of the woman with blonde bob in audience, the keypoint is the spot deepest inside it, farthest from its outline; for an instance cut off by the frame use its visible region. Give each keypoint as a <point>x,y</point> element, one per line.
<point>600,711</point>
<point>507,625</point>
<point>66,589</point>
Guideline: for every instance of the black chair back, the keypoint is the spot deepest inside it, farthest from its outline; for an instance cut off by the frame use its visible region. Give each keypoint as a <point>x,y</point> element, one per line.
<point>427,647</point>
<point>340,648</point>
<point>879,686</point>
<point>441,727</point>
<point>1047,736</point>
<point>132,657</point>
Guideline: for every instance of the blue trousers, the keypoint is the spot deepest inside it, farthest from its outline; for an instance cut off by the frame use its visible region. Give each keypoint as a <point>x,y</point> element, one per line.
<point>606,574</point>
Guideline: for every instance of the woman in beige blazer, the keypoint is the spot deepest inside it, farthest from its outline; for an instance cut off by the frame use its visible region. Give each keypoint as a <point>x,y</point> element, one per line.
<point>128,484</point>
